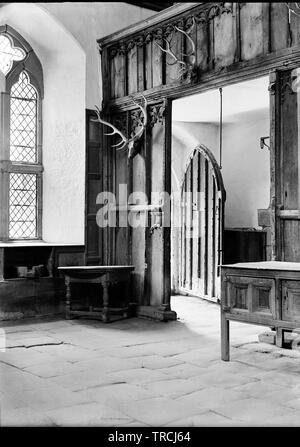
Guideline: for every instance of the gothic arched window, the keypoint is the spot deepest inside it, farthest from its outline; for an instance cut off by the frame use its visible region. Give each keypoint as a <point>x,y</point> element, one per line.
<point>20,149</point>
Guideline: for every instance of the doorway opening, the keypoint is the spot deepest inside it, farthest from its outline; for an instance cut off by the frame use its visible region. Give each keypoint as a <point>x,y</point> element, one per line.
<point>219,138</point>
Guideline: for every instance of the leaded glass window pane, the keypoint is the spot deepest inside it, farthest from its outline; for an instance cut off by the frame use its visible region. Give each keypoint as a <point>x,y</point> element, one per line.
<point>9,54</point>
<point>23,120</point>
<point>22,206</point>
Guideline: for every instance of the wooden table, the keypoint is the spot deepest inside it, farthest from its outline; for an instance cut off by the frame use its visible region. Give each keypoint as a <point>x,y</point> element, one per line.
<point>104,275</point>
<point>263,293</point>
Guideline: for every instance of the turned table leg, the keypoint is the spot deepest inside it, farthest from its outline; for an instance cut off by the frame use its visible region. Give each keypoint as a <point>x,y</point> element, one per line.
<point>105,311</point>
<point>224,338</point>
<point>68,298</point>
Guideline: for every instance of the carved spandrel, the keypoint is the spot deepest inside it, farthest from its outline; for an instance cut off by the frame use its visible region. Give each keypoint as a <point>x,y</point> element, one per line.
<point>286,86</point>
<point>156,114</point>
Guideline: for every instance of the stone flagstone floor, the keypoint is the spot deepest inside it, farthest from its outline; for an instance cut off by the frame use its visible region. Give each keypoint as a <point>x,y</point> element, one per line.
<point>144,373</point>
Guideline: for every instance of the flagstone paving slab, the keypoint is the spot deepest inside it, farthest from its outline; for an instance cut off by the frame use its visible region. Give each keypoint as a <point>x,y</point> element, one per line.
<point>139,372</point>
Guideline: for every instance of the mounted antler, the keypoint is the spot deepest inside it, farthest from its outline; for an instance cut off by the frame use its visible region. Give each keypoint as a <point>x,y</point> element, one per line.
<point>188,66</point>
<point>294,8</point>
<point>132,143</point>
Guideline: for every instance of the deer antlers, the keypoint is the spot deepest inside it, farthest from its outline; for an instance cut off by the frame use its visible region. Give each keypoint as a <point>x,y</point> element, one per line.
<point>131,143</point>
<point>186,66</point>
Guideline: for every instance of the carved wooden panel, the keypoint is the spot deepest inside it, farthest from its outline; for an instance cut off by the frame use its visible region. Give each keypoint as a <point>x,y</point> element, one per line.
<point>224,39</point>
<point>224,33</point>
<point>279,29</point>
<point>291,300</point>
<point>251,22</point>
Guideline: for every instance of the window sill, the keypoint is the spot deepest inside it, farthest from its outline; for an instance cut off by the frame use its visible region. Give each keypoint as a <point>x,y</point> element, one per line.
<point>33,243</point>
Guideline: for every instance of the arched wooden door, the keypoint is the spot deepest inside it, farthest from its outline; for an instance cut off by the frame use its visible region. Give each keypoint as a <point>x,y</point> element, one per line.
<point>202,219</point>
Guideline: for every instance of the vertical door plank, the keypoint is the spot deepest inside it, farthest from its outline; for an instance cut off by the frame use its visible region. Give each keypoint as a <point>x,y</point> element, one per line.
<point>196,206</point>
<point>188,228</point>
<point>183,234</point>
<point>209,233</point>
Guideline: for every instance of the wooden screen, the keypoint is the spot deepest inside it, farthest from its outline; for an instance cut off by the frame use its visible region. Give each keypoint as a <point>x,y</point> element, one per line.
<point>94,185</point>
<point>202,210</point>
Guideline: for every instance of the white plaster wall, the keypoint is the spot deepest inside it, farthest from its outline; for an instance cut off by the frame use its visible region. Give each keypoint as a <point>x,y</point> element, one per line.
<point>245,167</point>
<point>246,171</point>
<point>185,137</point>
<point>89,21</point>
<point>63,62</point>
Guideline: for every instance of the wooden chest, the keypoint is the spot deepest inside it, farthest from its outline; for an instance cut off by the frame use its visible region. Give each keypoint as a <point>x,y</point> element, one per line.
<point>263,293</point>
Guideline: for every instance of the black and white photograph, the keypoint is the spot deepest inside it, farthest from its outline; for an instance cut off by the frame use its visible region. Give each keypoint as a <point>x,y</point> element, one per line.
<point>149,217</point>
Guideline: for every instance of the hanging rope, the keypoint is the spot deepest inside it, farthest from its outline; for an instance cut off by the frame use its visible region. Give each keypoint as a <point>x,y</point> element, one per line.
<point>221,127</point>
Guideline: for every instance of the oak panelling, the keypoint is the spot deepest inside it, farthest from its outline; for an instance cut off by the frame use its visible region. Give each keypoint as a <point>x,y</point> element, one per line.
<point>202,45</point>
<point>291,236</point>
<point>289,141</point>
<point>138,246</point>
<point>177,47</point>
<point>157,63</point>
<point>132,62</point>
<point>138,234</point>
<point>295,29</point>
<point>140,67</point>
<point>92,240</point>
<point>94,185</point>
<point>118,75</point>
<point>279,28</point>
<point>224,39</point>
<point>148,64</point>
<point>155,274</point>
<point>252,30</point>
<point>223,35</point>
<point>121,232</point>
